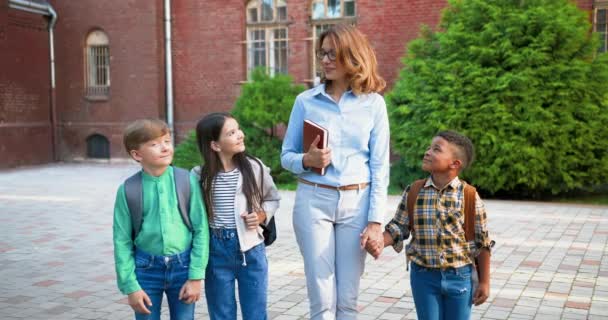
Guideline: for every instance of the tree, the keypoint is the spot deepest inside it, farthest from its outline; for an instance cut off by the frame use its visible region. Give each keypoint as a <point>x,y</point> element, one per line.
<point>524,80</point>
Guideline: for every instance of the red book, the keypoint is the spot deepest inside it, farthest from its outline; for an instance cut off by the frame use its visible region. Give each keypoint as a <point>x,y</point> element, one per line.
<point>310,132</point>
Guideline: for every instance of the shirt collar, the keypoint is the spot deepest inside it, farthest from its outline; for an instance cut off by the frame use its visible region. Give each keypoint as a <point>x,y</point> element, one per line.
<point>165,174</point>
<point>454,184</point>
<point>320,90</point>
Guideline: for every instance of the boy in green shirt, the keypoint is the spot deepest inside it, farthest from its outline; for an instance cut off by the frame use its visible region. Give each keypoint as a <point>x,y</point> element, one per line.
<point>165,255</point>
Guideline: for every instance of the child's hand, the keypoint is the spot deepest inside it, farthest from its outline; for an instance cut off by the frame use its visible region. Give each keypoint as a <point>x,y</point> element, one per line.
<point>373,248</point>
<point>254,219</point>
<point>482,293</point>
<point>191,291</point>
<point>138,301</point>
<point>371,239</point>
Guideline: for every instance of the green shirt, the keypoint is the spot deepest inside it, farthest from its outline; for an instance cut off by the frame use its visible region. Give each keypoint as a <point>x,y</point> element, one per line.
<point>163,231</point>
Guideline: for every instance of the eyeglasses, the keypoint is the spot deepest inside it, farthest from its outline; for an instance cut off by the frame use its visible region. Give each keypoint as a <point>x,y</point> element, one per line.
<point>331,54</point>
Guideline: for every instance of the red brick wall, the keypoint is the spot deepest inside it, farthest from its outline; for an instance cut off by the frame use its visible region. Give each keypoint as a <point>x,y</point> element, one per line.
<point>210,57</point>
<point>390,25</point>
<point>134,29</point>
<point>25,125</point>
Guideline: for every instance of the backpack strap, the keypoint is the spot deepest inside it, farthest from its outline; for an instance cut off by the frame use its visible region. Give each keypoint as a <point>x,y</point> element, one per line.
<point>469,211</point>
<point>135,199</point>
<point>182,188</point>
<point>412,196</point>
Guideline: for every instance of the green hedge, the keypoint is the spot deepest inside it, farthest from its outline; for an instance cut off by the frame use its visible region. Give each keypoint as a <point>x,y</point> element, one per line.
<point>522,79</point>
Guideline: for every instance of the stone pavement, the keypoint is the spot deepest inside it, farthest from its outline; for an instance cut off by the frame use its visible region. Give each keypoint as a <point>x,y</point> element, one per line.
<point>56,260</point>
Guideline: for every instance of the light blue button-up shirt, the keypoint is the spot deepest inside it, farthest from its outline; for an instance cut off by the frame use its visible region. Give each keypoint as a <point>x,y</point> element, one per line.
<point>358,138</point>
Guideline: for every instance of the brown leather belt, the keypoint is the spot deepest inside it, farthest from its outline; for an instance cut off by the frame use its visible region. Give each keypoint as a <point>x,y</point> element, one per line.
<point>356,186</point>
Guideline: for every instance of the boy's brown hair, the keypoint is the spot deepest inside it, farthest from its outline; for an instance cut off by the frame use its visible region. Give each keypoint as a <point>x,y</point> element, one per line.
<point>465,151</point>
<point>141,131</point>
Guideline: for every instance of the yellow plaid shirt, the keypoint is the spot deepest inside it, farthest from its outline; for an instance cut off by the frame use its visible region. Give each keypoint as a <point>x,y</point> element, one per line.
<point>438,239</point>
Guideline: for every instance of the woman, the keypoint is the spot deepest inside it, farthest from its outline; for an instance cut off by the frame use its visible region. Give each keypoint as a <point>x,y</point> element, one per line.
<point>336,212</point>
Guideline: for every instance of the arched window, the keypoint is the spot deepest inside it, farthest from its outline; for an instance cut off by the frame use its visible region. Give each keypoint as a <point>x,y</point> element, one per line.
<point>324,14</point>
<point>98,147</point>
<point>267,42</point>
<point>97,57</point>
<point>600,22</point>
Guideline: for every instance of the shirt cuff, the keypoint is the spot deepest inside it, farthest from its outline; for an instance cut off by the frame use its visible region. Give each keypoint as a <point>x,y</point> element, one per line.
<point>396,235</point>
<point>130,288</point>
<point>195,274</point>
<point>301,158</point>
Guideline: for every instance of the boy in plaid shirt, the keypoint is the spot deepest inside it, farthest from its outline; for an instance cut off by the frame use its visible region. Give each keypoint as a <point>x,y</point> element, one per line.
<point>441,258</point>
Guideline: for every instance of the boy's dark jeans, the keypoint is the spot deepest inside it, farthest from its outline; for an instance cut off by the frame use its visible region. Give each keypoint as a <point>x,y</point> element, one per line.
<point>163,274</point>
<point>442,293</point>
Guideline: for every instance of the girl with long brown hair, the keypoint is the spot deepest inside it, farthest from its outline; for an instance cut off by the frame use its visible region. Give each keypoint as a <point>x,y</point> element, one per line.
<point>239,197</point>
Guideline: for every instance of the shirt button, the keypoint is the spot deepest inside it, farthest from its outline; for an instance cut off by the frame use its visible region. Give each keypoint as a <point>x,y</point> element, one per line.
<point>160,190</point>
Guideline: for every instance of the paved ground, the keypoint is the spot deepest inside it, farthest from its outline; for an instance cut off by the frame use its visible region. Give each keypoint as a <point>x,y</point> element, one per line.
<point>56,260</point>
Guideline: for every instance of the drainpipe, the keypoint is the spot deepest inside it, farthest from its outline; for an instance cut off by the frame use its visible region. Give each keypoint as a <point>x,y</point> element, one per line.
<point>45,9</point>
<point>168,68</point>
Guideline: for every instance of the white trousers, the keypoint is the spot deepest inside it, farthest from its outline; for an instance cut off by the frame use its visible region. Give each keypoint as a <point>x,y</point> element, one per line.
<point>327,225</point>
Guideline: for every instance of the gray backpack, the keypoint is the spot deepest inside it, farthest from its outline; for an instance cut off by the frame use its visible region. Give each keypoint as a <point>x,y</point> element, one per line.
<point>135,198</point>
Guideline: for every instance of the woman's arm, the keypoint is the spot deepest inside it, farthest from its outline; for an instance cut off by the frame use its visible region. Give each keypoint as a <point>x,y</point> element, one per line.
<point>292,152</point>
<point>379,163</point>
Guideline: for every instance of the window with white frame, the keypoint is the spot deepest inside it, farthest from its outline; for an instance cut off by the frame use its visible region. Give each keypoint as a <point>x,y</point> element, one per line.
<point>601,24</point>
<point>324,15</point>
<point>97,65</point>
<point>267,41</point>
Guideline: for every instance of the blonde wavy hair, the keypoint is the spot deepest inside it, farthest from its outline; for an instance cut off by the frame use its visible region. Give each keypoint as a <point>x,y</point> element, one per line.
<point>357,56</point>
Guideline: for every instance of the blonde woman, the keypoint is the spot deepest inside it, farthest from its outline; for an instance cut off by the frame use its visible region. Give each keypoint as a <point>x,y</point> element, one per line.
<point>337,212</point>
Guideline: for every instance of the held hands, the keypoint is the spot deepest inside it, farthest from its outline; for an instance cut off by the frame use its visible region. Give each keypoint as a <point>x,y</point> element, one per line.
<point>138,301</point>
<point>372,239</point>
<point>253,219</point>
<point>191,291</point>
<point>315,157</point>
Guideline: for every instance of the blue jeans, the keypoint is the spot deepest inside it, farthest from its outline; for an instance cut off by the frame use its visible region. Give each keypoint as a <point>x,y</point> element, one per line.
<point>228,264</point>
<point>163,274</point>
<point>441,293</point>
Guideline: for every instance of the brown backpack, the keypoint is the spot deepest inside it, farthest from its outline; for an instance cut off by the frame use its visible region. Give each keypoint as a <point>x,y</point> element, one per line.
<point>469,207</point>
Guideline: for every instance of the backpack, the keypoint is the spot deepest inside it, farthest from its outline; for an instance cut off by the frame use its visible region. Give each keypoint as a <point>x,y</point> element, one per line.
<point>134,194</point>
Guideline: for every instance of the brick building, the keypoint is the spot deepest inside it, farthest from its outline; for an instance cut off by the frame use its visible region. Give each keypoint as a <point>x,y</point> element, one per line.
<point>110,62</point>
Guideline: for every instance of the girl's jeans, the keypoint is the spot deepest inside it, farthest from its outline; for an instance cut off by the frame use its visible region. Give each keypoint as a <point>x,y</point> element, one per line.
<point>226,264</point>
<point>163,274</point>
<point>441,293</point>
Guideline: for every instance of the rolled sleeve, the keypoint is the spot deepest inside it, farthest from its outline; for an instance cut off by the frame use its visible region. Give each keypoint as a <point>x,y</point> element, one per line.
<point>482,237</point>
<point>398,227</point>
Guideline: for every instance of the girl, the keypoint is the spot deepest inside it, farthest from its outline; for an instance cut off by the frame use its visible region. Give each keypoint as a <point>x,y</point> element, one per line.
<point>239,195</point>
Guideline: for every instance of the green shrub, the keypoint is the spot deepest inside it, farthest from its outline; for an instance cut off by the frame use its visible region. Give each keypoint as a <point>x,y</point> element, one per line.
<point>522,79</point>
<point>186,153</point>
<point>264,105</point>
